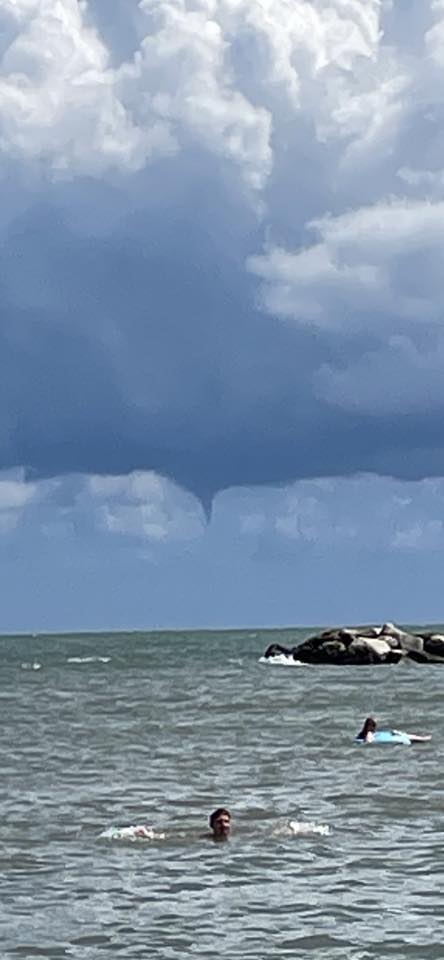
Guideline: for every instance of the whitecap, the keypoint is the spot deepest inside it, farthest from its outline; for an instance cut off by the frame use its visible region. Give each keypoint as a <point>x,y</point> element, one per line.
<point>132,833</point>
<point>282,660</point>
<point>302,828</point>
<point>307,828</point>
<point>88,659</point>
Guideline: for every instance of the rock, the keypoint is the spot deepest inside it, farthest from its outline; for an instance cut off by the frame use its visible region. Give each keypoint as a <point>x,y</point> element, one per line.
<point>377,651</point>
<point>411,643</point>
<point>389,630</point>
<point>365,645</point>
<point>275,650</point>
<point>339,650</point>
<point>361,653</point>
<point>392,642</point>
<point>380,647</point>
<point>335,651</point>
<point>368,632</point>
<point>434,647</point>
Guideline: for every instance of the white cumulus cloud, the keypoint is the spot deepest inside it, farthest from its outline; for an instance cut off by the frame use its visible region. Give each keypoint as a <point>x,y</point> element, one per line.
<point>16,494</point>
<point>357,276</point>
<point>58,99</point>
<point>143,505</point>
<point>228,75</point>
<point>359,514</point>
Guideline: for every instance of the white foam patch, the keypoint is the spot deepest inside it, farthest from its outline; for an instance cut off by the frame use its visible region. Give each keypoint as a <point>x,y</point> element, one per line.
<point>307,828</point>
<point>302,828</point>
<point>88,659</point>
<point>282,660</point>
<point>132,833</point>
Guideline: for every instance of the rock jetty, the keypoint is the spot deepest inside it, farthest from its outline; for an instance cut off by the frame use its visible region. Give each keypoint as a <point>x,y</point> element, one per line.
<point>364,645</point>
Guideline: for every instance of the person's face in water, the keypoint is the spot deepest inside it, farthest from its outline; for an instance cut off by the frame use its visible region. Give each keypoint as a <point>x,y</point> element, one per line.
<point>221,825</point>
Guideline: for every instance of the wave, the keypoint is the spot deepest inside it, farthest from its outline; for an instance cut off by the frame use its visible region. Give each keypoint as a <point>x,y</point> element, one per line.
<point>132,833</point>
<point>283,660</point>
<point>302,828</point>
<point>144,832</point>
<point>88,659</point>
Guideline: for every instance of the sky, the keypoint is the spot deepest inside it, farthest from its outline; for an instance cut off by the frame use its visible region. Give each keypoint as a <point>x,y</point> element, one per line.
<point>221,313</point>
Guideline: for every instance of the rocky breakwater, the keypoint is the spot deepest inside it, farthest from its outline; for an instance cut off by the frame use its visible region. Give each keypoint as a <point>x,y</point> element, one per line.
<point>364,645</point>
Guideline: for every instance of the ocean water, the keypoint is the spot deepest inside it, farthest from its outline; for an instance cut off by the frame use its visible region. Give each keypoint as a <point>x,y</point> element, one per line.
<point>102,732</point>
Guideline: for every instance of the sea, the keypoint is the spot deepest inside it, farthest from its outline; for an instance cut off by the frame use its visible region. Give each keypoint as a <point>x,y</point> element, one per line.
<point>337,849</point>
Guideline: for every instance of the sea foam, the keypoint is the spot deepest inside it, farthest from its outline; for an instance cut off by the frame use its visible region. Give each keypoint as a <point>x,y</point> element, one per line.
<point>88,659</point>
<point>302,828</point>
<point>282,660</point>
<point>308,828</point>
<point>132,833</point>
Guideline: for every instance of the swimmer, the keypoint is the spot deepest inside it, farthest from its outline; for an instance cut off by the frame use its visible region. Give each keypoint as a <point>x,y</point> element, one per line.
<point>368,731</point>
<point>370,734</point>
<point>220,823</point>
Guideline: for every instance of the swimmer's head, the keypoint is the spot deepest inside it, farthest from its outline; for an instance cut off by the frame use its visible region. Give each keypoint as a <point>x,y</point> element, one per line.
<point>369,727</point>
<point>220,823</point>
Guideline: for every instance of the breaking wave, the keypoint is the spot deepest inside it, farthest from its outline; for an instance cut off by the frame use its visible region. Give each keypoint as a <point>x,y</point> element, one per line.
<point>302,828</point>
<point>283,660</point>
<point>132,833</point>
<point>88,659</point>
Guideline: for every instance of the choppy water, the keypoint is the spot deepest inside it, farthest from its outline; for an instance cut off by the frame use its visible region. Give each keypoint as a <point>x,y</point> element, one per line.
<point>105,730</point>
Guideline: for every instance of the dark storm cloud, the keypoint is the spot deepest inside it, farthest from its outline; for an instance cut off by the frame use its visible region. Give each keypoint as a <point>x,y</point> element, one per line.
<point>166,302</point>
<point>144,348</point>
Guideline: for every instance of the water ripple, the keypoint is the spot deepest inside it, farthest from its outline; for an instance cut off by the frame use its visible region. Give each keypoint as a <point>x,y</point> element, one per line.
<point>114,732</point>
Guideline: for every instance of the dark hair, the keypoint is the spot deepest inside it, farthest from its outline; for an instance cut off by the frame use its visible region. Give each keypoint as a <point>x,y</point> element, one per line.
<point>221,811</point>
<point>369,727</point>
